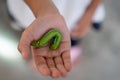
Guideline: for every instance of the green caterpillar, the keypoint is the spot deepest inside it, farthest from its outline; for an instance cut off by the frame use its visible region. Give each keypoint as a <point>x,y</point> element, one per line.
<point>53,35</point>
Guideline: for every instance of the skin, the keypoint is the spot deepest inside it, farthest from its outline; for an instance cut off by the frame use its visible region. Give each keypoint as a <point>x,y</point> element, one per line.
<point>55,63</point>
<point>84,24</point>
<point>47,37</point>
<point>48,62</point>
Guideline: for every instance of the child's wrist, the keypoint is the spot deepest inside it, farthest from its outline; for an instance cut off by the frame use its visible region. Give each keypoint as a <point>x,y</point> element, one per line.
<point>47,13</point>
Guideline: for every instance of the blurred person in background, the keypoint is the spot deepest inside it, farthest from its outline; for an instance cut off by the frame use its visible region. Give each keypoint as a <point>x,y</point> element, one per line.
<point>73,18</point>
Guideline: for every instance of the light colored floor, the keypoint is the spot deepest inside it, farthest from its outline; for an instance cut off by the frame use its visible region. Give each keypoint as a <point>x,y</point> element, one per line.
<point>101,51</point>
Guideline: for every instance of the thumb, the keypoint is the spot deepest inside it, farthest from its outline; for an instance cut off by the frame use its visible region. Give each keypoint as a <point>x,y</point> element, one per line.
<point>24,45</point>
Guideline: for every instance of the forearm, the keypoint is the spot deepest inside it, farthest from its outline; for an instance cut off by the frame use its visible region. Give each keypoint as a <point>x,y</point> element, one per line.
<point>42,7</point>
<point>92,7</point>
<point>89,13</point>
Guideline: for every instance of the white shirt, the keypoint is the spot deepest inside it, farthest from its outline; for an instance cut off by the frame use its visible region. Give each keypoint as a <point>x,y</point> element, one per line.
<point>72,10</point>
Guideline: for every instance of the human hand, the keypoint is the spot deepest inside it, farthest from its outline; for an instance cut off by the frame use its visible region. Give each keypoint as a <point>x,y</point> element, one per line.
<point>54,63</point>
<point>81,28</point>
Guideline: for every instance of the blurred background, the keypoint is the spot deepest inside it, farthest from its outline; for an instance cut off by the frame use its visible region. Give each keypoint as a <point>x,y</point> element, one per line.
<point>101,50</point>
